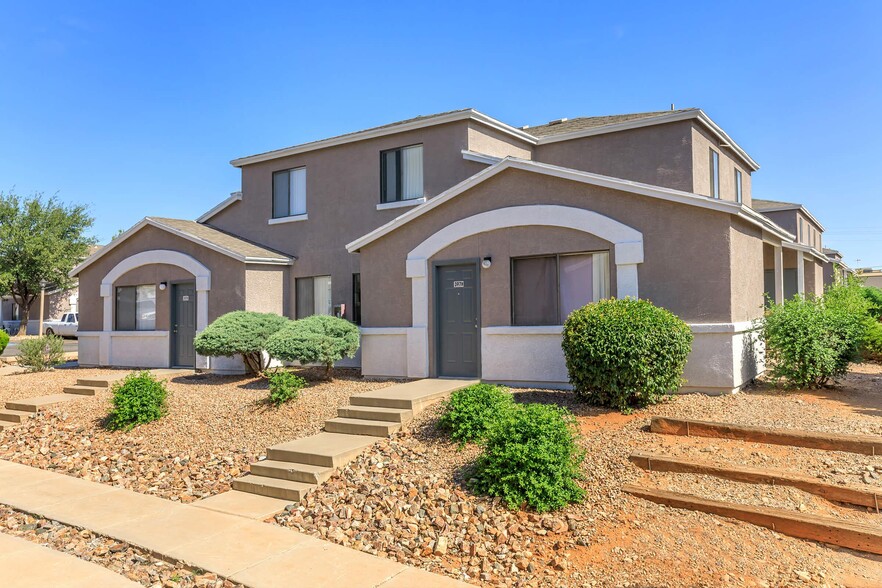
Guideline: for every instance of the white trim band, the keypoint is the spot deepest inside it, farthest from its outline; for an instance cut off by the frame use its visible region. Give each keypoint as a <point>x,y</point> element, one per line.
<point>401,203</point>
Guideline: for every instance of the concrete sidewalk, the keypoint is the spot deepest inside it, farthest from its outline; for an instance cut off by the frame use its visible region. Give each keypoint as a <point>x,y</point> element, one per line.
<point>256,554</point>
<point>27,565</point>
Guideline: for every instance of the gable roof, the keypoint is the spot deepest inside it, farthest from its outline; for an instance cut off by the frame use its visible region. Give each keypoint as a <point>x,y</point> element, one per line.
<point>548,133</point>
<point>572,125</point>
<point>661,193</point>
<point>215,239</point>
<point>778,206</point>
<point>234,197</point>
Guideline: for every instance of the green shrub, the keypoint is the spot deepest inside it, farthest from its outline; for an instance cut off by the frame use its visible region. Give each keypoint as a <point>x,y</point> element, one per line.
<point>810,341</point>
<point>470,412</point>
<point>871,347</point>
<point>530,457</point>
<point>242,333</point>
<point>285,386</point>
<point>874,296</point>
<point>318,339</point>
<point>139,398</point>
<point>4,340</point>
<point>625,353</point>
<point>39,354</point>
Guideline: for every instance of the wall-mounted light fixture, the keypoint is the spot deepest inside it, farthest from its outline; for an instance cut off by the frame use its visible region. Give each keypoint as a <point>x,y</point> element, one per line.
<point>163,285</point>
<point>487,262</point>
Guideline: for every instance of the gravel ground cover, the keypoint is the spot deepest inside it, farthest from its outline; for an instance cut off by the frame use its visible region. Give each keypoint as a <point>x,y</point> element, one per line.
<point>132,562</point>
<point>406,499</point>
<point>215,427</point>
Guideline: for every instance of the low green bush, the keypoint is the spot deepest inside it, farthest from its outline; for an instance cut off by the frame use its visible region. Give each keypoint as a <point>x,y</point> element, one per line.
<point>874,296</point>
<point>240,332</point>
<point>4,340</point>
<point>139,398</point>
<point>871,346</point>
<point>625,353</point>
<point>848,313</point>
<point>470,412</point>
<point>318,339</point>
<point>284,386</point>
<point>38,354</point>
<point>531,458</point>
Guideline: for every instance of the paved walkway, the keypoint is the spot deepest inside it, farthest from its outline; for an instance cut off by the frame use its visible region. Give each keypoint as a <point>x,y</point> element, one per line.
<point>27,565</point>
<point>256,554</point>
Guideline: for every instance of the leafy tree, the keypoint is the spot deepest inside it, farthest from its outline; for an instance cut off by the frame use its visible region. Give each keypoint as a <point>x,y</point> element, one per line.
<point>240,332</point>
<point>41,240</point>
<point>316,339</point>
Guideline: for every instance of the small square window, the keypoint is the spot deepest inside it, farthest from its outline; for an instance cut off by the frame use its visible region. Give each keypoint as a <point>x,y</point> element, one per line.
<point>289,192</point>
<point>401,174</point>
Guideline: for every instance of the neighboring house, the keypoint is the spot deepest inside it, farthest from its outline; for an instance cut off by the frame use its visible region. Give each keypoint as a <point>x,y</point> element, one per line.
<point>871,277</point>
<point>835,270</point>
<point>803,258</point>
<point>459,243</point>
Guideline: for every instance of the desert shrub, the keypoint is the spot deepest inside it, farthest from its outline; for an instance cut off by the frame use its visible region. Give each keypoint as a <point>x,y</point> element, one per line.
<point>810,341</point>
<point>318,339</point>
<point>871,346</point>
<point>4,340</point>
<point>139,398</point>
<point>242,333</point>
<point>531,458</point>
<point>874,296</point>
<point>625,353</point>
<point>470,412</point>
<point>284,386</point>
<point>38,354</point>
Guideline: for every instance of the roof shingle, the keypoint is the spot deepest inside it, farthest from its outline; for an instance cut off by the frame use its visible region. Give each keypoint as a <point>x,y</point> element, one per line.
<point>574,125</point>
<point>235,245</point>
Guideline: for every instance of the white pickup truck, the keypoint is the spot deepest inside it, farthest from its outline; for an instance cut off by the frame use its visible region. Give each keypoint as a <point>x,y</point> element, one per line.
<point>66,326</point>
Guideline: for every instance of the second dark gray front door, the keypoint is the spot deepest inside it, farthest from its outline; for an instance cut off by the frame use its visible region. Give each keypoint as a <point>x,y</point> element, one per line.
<point>456,301</point>
<point>183,317</point>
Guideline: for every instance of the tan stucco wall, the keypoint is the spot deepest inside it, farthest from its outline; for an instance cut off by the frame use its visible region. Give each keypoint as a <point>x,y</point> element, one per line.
<point>342,193</point>
<point>265,288</point>
<point>659,155</point>
<point>748,255</point>
<point>686,249</point>
<point>227,276</point>
<point>702,142</point>
<point>483,139</point>
<point>874,280</point>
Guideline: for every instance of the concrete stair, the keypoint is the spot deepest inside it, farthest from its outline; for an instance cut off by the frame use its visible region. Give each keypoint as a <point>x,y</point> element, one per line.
<point>293,469</point>
<point>14,417</point>
<point>81,390</point>
<point>38,402</point>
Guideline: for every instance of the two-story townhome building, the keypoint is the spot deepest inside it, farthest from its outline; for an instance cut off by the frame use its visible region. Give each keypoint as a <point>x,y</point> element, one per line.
<point>459,244</point>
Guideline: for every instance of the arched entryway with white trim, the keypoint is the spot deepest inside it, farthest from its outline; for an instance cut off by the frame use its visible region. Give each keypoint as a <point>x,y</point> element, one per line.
<point>200,272</point>
<point>627,243</point>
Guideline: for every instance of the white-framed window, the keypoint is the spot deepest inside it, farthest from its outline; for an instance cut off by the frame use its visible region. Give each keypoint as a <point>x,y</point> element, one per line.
<point>313,296</point>
<point>738,193</point>
<point>136,308</point>
<point>545,289</point>
<point>401,174</point>
<point>289,192</point>
<point>714,174</point>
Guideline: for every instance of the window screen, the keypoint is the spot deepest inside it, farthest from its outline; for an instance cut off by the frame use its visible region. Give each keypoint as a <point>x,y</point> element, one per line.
<point>401,174</point>
<point>715,173</point>
<point>136,308</point>
<point>313,296</point>
<point>289,192</point>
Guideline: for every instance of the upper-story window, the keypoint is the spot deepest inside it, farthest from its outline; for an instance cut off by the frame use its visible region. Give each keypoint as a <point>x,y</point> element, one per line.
<point>289,192</point>
<point>738,193</point>
<point>714,174</point>
<point>401,174</point>
<point>801,231</point>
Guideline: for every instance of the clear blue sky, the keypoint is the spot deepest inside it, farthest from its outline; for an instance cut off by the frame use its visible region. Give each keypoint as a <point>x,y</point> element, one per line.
<point>137,108</point>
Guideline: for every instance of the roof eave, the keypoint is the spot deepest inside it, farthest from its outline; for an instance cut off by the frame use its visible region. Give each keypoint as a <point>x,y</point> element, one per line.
<point>234,197</point>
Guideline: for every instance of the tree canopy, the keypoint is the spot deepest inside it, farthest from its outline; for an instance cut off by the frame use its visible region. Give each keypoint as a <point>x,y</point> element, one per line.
<point>41,239</point>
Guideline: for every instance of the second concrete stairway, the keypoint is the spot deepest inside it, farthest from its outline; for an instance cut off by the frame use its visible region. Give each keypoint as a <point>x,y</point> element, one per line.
<point>294,468</point>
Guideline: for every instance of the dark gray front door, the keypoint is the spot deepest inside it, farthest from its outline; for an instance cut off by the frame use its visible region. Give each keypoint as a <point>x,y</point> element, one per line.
<point>456,299</point>
<point>183,318</point>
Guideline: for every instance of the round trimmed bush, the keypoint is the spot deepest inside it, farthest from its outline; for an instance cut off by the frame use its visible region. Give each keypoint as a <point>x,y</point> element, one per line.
<point>240,332</point>
<point>139,398</point>
<point>318,339</point>
<point>4,340</point>
<point>531,458</point>
<point>625,353</point>
<point>471,411</point>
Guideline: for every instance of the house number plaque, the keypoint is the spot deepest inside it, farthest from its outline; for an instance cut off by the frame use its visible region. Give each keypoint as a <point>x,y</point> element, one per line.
<point>458,284</point>
<point>185,298</point>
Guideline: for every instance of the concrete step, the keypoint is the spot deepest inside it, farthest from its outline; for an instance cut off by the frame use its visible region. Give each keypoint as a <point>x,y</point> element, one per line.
<point>99,381</point>
<point>81,390</point>
<point>295,472</point>
<point>14,416</point>
<point>414,395</point>
<point>7,425</point>
<point>361,427</point>
<point>36,403</point>
<point>273,487</point>
<point>330,450</point>
<point>376,413</point>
